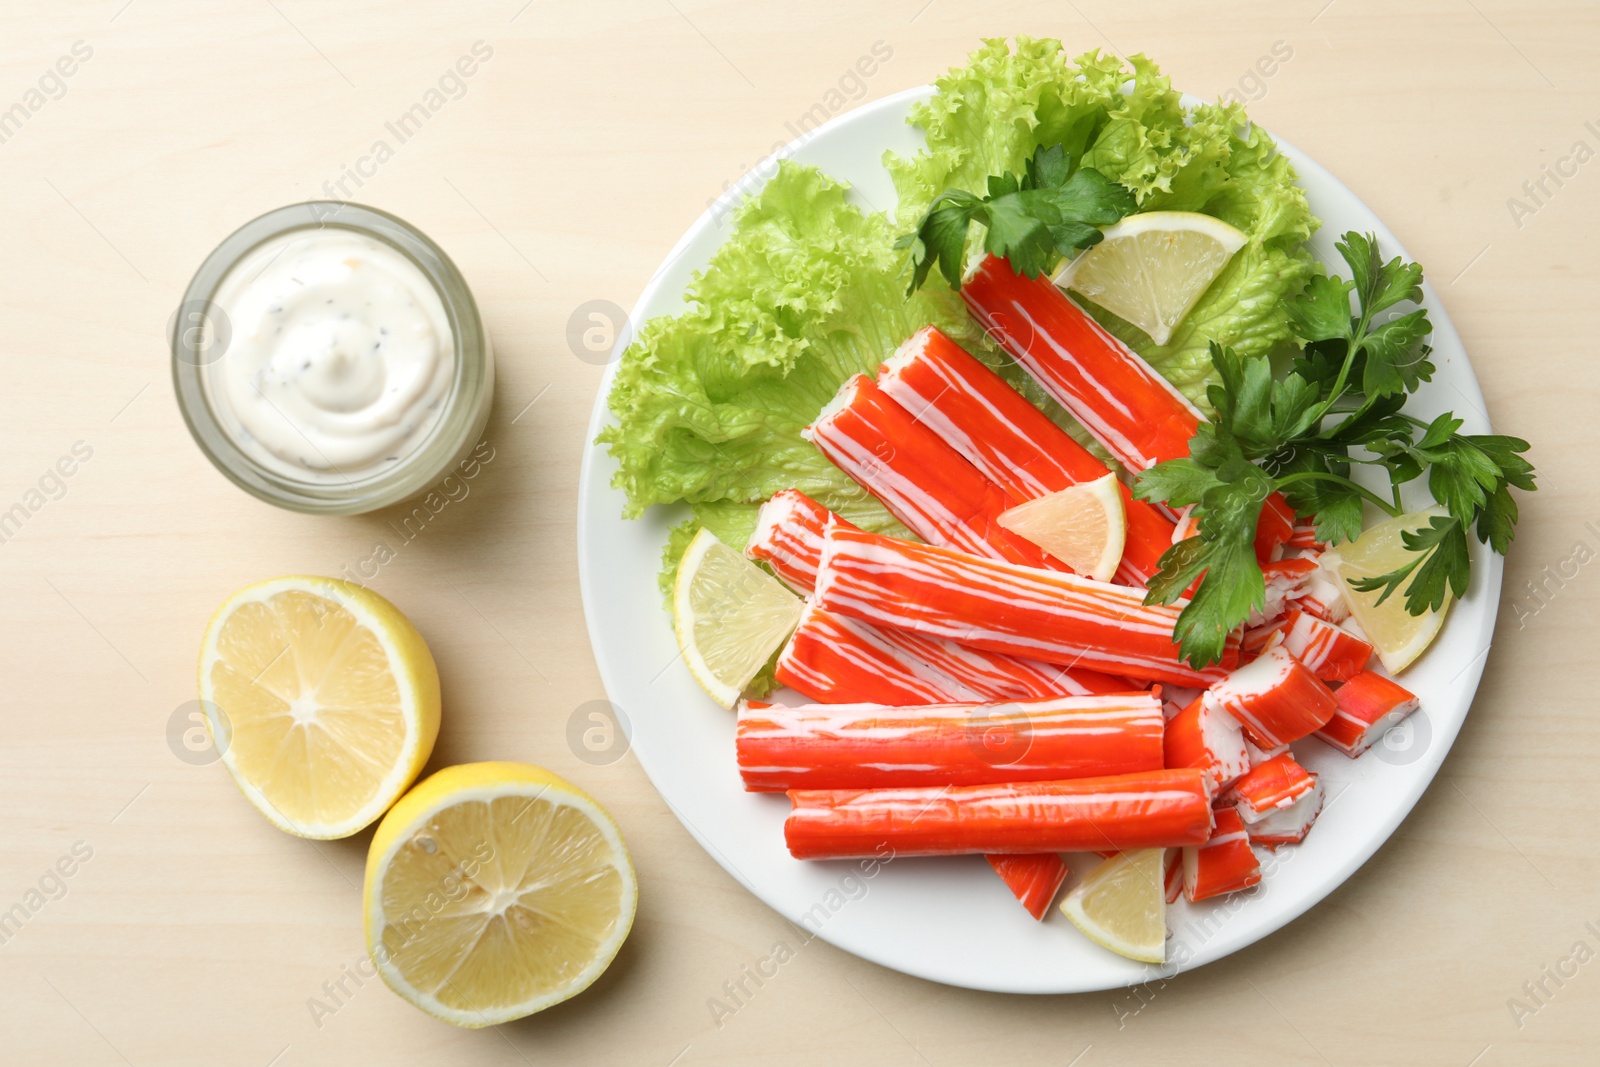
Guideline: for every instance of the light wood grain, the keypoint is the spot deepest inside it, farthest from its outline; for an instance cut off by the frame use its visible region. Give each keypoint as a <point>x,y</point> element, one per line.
<point>196,933</point>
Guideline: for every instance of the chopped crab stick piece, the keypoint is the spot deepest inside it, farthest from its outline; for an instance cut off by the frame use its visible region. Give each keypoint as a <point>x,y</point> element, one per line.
<point>1224,864</point>
<point>1287,826</point>
<point>1275,697</point>
<point>788,538</point>
<point>1258,756</point>
<point>1153,809</point>
<point>1034,879</point>
<point>1369,705</point>
<point>1011,442</point>
<point>1322,595</point>
<point>1333,654</point>
<point>834,660</point>
<point>1206,737</point>
<point>869,746</point>
<point>921,480</point>
<point>1134,412</point>
<point>1257,639</point>
<point>1274,785</point>
<point>1285,579</point>
<point>1021,611</point>
<point>1173,875</point>
<point>1304,537</point>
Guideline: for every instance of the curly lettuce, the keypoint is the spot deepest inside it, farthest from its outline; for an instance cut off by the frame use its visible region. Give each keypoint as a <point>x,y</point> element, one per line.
<point>1126,121</point>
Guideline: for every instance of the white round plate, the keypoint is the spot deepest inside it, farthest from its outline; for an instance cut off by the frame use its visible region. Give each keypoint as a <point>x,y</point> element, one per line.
<point>950,919</point>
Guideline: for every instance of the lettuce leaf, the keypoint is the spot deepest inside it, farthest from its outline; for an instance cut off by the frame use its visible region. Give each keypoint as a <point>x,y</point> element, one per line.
<point>807,291</point>
<point>1126,121</point>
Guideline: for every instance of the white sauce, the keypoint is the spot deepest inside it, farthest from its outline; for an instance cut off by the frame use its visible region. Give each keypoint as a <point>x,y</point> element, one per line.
<point>340,359</point>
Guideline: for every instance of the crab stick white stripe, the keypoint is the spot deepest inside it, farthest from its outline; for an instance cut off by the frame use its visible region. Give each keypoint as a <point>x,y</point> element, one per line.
<point>1009,441</point>
<point>1152,809</point>
<point>921,480</point>
<point>1001,607</point>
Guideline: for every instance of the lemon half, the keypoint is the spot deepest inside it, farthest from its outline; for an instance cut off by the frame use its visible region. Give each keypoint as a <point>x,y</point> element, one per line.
<point>322,699</point>
<point>494,890</point>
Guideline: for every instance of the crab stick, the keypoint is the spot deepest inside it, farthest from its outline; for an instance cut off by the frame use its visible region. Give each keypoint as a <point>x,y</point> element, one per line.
<point>1332,653</point>
<point>1322,595</point>
<point>1275,697</point>
<point>1031,879</point>
<point>1173,875</point>
<point>1001,607</point>
<point>1206,737</point>
<point>1135,413</point>
<point>834,660</point>
<point>1009,441</point>
<point>1368,706</point>
<point>1153,809</point>
<point>1271,786</point>
<point>1285,580</point>
<point>1287,826</point>
<point>869,746</point>
<point>921,480</point>
<point>788,538</point>
<point>1224,864</point>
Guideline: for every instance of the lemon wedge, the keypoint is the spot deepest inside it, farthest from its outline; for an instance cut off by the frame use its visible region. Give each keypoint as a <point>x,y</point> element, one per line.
<point>1084,526</point>
<point>1151,268</point>
<point>1122,905</point>
<point>1399,636</point>
<point>322,699</point>
<point>730,616</point>
<point>494,890</point>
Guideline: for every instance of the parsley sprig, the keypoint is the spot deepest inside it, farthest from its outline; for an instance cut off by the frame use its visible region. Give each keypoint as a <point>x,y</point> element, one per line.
<point>1051,211</point>
<point>1341,404</point>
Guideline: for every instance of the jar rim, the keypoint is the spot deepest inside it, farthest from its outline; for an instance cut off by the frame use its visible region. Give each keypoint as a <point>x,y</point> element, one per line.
<point>200,325</point>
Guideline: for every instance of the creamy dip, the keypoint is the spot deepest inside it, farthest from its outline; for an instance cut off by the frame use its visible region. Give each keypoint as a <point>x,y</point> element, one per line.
<point>339,359</point>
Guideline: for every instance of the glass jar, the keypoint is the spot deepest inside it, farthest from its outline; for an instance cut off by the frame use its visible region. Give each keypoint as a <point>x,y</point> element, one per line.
<point>200,335</point>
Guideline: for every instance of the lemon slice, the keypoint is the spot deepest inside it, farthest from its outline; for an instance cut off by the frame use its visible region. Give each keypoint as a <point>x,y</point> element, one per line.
<point>1399,636</point>
<point>1122,905</point>
<point>495,890</point>
<point>1084,526</point>
<point>730,616</point>
<point>1151,268</point>
<point>322,699</point>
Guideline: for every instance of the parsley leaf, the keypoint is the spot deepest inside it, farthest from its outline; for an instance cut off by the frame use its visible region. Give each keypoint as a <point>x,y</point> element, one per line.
<point>1303,434</point>
<point>1051,211</point>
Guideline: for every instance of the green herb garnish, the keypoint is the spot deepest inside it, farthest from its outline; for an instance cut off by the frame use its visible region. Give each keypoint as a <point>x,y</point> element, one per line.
<point>1050,212</point>
<point>1341,404</point>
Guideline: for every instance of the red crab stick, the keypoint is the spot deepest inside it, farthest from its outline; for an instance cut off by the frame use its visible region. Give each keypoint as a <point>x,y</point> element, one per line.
<point>1010,441</point>
<point>869,746</point>
<point>1033,883</point>
<point>788,538</point>
<point>1369,705</point>
<point>1224,864</point>
<point>1206,737</point>
<point>1332,653</point>
<point>921,480</point>
<point>837,660</point>
<point>1152,809</point>
<point>1275,697</point>
<point>1021,611</point>
<point>834,660</point>
<point>1134,412</point>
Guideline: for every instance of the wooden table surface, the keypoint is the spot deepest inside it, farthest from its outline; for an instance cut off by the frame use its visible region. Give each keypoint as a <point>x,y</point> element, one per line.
<point>191,932</point>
